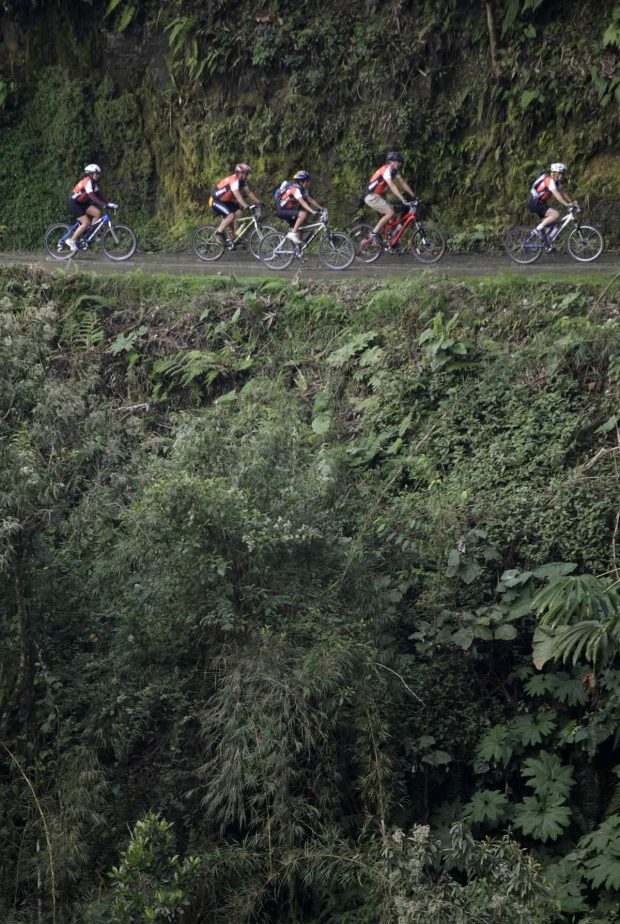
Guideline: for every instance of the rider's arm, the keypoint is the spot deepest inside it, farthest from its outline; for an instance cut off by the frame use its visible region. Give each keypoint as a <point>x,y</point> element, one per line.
<point>313,203</point>
<point>94,195</point>
<point>407,187</point>
<point>562,197</point>
<point>394,188</point>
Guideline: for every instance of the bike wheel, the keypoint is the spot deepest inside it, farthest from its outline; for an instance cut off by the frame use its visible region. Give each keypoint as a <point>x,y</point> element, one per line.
<point>54,244</point>
<point>336,250</point>
<point>585,243</point>
<point>276,251</point>
<point>366,249</point>
<point>118,242</point>
<point>522,245</point>
<point>205,245</point>
<point>256,237</point>
<point>428,244</point>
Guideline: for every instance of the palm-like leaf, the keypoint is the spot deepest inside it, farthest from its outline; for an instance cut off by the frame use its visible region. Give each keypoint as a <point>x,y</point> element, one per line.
<point>579,618</point>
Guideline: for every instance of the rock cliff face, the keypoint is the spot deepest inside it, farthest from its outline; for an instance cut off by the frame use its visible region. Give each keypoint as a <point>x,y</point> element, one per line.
<point>478,96</point>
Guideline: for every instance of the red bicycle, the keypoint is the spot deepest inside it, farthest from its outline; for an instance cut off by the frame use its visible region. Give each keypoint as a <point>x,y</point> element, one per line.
<point>403,234</point>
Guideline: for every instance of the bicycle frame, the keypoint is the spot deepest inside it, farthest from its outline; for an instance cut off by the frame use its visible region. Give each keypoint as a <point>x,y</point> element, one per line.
<point>91,232</point>
<point>554,230</point>
<point>244,225</point>
<point>557,227</point>
<point>409,218</point>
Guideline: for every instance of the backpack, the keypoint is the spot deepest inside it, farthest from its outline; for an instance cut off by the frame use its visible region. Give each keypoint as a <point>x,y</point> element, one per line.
<point>279,190</point>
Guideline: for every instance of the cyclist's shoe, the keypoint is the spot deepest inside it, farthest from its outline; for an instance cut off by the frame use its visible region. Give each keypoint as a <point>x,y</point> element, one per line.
<point>222,240</point>
<point>71,245</point>
<point>294,237</point>
<point>377,239</point>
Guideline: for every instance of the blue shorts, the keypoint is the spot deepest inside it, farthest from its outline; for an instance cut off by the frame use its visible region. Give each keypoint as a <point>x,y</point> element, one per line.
<point>225,208</point>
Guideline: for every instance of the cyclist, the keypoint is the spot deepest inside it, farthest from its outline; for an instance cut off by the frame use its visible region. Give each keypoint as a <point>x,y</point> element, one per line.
<point>227,200</point>
<point>296,204</point>
<point>543,187</point>
<point>86,202</point>
<point>387,176</point>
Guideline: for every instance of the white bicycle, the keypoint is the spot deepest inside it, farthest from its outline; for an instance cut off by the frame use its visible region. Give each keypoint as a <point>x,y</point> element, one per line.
<point>336,249</point>
<point>526,245</point>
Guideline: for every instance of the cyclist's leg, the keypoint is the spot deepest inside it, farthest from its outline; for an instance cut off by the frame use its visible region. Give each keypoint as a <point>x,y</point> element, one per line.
<point>290,216</point>
<point>301,218</point>
<point>386,211</point>
<point>546,214</point>
<point>78,212</point>
<point>227,212</point>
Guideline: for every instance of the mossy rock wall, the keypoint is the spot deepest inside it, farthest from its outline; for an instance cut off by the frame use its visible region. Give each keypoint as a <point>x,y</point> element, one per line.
<point>479,98</point>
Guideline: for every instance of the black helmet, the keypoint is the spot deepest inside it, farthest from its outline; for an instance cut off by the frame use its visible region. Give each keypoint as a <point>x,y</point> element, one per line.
<point>395,155</point>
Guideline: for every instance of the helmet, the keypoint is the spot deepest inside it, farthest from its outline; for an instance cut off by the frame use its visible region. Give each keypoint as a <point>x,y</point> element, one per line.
<point>302,176</point>
<point>395,155</point>
<point>92,168</point>
<point>558,168</point>
<point>243,168</point>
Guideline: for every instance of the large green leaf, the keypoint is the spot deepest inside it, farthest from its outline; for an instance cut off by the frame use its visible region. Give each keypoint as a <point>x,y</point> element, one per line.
<point>544,819</point>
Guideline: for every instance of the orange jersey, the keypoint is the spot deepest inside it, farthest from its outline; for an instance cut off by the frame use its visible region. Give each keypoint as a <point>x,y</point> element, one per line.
<point>224,191</point>
<point>290,197</point>
<point>81,191</point>
<point>377,184</point>
<point>543,187</point>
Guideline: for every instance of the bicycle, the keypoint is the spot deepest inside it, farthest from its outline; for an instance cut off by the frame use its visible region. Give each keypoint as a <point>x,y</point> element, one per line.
<point>208,248</point>
<point>118,242</point>
<point>524,244</point>
<point>336,249</point>
<point>427,242</point>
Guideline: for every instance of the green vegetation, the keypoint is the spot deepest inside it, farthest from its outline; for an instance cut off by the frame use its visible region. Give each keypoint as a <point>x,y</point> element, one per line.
<point>273,557</point>
<point>168,97</point>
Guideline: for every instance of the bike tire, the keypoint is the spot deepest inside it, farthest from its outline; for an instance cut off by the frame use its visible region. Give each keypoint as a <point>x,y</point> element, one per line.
<point>336,250</point>
<point>521,247</point>
<point>428,244</point>
<point>118,243</point>
<point>585,243</point>
<point>276,251</point>
<point>366,250</point>
<point>204,244</point>
<point>55,249</point>
<point>256,237</point>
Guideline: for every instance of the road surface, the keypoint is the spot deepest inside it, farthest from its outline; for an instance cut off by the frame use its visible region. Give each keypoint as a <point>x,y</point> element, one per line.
<point>388,266</point>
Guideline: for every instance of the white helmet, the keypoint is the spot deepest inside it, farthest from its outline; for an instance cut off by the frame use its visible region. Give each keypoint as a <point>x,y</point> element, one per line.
<point>92,168</point>
<point>558,168</point>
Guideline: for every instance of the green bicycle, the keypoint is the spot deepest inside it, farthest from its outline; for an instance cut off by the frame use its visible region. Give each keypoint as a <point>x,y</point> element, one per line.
<point>249,233</point>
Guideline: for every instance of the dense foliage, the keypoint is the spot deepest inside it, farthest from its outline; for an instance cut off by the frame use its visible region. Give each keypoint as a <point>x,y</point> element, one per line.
<point>479,96</point>
<point>272,561</point>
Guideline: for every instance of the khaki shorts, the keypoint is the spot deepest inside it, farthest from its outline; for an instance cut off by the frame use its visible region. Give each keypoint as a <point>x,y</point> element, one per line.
<point>378,203</point>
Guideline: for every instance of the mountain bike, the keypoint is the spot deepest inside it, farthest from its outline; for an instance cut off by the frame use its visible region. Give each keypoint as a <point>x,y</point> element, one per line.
<point>249,233</point>
<point>425,242</point>
<point>584,243</point>
<point>118,242</point>
<point>336,249</point>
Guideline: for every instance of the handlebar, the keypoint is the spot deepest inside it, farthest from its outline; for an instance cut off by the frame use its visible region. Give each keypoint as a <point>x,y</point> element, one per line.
<point>324,215</point>
<point>574,207</point>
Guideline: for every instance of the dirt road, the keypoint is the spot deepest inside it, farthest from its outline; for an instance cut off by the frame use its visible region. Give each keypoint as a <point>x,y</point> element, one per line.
<point>453,265</point>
